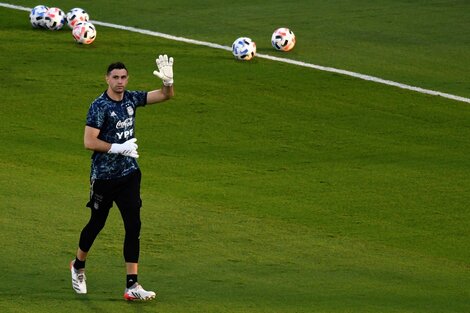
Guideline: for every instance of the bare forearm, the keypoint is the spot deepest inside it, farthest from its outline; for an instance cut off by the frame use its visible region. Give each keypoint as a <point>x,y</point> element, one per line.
<point>168,91</point>
<point>159,95</point>
<point>97,145</point>
<point>91,141</point>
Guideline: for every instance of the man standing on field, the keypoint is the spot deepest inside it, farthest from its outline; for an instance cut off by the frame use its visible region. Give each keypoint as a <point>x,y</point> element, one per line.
<point>115,174</point>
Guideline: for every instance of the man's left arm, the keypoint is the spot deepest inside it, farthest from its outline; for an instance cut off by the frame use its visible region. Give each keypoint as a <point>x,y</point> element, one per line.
<point>165,73</point>
<point>159,95</point>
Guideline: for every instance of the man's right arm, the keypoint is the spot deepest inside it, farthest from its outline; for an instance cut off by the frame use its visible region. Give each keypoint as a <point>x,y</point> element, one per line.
<point>91,141</point>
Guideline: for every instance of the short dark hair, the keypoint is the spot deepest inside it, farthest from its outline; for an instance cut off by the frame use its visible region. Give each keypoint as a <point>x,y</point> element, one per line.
<point>116,66</point>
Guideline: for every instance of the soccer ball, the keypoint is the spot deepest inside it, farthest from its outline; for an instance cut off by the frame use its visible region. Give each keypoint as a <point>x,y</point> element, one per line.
<point>244,48</point>
<point>37,16</point>
<point>76,15</point>
<point>283,39</point>
<point>55,18</point>
<point>84,32</point>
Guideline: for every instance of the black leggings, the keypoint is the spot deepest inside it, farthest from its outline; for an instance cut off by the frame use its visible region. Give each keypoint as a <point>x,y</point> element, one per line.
<point>125,192</point>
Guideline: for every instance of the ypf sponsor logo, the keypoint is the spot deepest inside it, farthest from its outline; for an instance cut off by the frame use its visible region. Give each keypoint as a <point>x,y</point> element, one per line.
<point>125,134</point>
<point>126,124</point>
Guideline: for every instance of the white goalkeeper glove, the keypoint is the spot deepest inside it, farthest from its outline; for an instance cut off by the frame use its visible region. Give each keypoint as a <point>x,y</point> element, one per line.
<point>129,148</point>
<point>165,69</point>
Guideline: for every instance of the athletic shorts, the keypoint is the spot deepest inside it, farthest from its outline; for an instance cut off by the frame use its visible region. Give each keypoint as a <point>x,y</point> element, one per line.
<point>124,191</point>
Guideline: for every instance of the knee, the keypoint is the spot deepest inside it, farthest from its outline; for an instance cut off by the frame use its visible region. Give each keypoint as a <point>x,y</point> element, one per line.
<point>133,227</point>
<point>94,226</point>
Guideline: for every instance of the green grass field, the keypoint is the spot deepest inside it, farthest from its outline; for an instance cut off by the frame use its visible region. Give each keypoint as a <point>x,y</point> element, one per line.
<point>267,187</point>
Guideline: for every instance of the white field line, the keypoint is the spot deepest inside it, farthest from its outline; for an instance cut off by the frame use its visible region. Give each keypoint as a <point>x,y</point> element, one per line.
<point>269,57</point>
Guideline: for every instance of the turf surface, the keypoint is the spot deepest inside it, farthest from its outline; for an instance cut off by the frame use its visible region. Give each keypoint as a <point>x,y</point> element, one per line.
<point>267,187</point>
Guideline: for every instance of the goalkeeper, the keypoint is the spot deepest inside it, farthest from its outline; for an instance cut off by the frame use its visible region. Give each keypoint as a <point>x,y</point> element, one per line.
<point>115,175</point>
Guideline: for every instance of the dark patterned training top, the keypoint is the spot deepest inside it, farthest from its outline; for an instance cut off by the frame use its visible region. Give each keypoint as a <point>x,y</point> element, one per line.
<point>115,120</point>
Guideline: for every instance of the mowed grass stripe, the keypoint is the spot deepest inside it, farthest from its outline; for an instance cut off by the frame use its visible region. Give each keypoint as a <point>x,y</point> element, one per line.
<point>274,58</point>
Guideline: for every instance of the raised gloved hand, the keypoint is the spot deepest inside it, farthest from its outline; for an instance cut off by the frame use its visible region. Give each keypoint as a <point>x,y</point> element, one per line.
<point>129,148</point>
<point>165,69</point>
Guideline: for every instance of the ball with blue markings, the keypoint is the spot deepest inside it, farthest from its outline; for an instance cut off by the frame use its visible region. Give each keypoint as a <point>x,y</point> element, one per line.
<point>244,48</point>
<point>36,16</point>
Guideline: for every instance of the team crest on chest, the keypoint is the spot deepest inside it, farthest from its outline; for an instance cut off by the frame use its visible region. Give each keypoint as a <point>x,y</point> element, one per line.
<point>130,110</point>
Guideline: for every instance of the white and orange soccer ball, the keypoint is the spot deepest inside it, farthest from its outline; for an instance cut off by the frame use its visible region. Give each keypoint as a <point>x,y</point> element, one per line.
<point>54,18</point>
<point>283,39</point>
<point>84,32</point>
<point>76,15</point>
<point>244,48</point>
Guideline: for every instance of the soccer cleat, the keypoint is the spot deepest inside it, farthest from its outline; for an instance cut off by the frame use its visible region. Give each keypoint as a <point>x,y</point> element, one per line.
<point>136,292</point>
<point>78,279</point>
